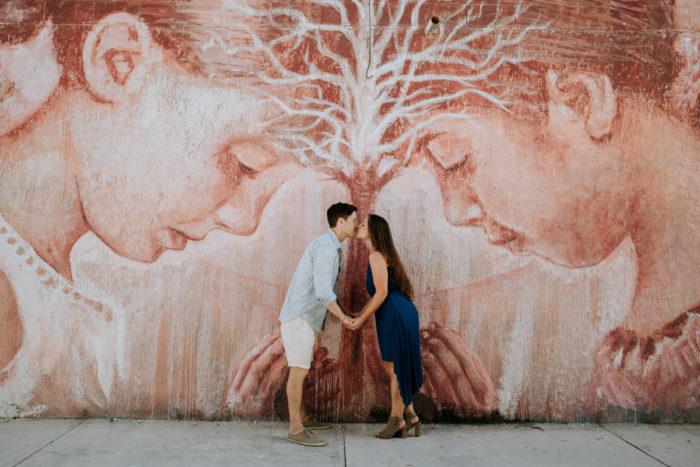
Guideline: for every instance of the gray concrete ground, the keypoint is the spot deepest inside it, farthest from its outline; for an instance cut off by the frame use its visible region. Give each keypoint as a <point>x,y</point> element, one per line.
<point>120,442</point>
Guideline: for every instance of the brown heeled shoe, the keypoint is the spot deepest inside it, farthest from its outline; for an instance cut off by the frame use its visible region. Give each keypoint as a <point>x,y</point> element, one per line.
<point>392,429</point>
<point>408,417</point>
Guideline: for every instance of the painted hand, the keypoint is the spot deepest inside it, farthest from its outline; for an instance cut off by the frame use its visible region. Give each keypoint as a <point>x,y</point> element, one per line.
<point>454,376</point>
<point>261,372</point>
<point>659,369</point>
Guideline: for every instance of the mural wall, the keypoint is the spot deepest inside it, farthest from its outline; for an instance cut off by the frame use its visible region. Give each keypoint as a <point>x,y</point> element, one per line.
<point>163,165</point>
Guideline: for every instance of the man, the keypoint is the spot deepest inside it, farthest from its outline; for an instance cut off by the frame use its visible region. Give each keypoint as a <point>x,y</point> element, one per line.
<point>309,298</point>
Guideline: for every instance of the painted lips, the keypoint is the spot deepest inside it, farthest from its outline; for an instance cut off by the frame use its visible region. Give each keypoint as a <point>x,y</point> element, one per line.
<point>500,235</point>
<point>512,242</point>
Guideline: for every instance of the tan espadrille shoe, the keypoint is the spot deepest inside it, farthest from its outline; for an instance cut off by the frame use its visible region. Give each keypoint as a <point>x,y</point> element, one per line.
<point>305,438</point>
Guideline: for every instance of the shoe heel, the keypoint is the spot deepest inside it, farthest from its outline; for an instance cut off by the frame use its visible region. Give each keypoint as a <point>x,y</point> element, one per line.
<point>417,426</point>
<point>401,432</point>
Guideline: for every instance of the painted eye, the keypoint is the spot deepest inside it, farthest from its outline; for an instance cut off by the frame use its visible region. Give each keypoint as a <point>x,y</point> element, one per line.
<point>245,159</point>
<point>245,169</point>
<point>252,157</point>
<point>451,150</point>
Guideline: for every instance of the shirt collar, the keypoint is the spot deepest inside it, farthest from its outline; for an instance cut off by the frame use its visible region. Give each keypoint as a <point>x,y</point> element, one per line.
<point>334,239</point>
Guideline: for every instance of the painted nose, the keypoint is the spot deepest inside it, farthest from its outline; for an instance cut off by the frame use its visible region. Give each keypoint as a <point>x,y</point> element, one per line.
<point>461,204</point>
<point>235,219</point>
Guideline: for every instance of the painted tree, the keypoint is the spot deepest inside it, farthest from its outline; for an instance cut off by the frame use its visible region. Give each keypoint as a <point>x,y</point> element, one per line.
<point>368,78</point>
<point>367,74</point>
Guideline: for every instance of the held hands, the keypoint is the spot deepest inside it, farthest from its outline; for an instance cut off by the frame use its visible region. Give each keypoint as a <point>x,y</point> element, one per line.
<point>356,324</point>
<point>347,321</point>
<point>352,323</point>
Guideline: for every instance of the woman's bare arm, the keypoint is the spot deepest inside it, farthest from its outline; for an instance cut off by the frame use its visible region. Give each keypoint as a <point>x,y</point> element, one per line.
<point>380,273</point>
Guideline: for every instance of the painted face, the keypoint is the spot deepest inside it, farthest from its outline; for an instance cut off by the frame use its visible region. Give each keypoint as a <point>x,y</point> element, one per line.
<point>363,230</point>
<point>545,189</point>
<point>159,170</point>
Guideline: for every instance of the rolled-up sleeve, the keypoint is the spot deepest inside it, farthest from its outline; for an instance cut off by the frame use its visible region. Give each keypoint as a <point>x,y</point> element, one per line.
<point>325,270</point>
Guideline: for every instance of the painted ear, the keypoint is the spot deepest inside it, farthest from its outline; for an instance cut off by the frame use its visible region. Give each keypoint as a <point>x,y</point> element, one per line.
<point>587,98</point>
<point>117,56</point>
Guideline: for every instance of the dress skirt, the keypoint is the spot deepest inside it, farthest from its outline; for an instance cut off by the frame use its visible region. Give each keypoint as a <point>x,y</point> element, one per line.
<point>398,332</point>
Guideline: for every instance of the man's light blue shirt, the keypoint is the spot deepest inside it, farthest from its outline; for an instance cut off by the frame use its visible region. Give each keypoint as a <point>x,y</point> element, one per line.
<point>313,284</point>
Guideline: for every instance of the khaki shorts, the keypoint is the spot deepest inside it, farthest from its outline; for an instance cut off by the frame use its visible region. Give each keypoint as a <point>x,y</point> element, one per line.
<point>298,339</point>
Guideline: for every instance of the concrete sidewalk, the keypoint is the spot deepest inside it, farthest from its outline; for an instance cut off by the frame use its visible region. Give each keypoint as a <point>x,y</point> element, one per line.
<point>121,442</point>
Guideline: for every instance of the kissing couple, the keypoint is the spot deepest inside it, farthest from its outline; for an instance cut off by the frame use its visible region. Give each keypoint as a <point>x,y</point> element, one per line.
<point>311,295</point>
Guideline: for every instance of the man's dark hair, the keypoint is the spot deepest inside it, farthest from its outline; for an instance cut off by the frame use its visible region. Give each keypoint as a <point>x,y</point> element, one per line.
<point>339,210</point>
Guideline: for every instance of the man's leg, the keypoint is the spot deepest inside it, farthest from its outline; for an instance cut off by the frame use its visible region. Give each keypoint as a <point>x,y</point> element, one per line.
<point>298,339</point>
<point>310,423</point>
<point>302,407</point>
<point>295,389</point>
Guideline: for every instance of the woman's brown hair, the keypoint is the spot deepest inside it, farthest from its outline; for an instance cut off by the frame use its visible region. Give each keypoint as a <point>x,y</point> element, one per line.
<point>380,235</point>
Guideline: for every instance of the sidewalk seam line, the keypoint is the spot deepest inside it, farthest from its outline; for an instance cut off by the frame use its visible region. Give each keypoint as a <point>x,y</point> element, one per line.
<point>50,442</point>
<point>345,455</point>
<point>635,447</point>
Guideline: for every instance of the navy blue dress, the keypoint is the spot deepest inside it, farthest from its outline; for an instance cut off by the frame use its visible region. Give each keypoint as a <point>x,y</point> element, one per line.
<point>398,333</point>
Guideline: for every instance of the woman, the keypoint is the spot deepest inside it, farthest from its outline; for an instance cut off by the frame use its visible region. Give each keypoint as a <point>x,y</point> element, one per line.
<point>397,324</point>
<point>574,190</point>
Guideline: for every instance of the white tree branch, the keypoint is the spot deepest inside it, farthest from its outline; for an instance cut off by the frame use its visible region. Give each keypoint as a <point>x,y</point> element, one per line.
<point>350,131</point>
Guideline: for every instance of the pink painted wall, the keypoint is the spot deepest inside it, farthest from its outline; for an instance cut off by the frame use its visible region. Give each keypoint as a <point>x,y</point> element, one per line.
<point>163,165</point>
